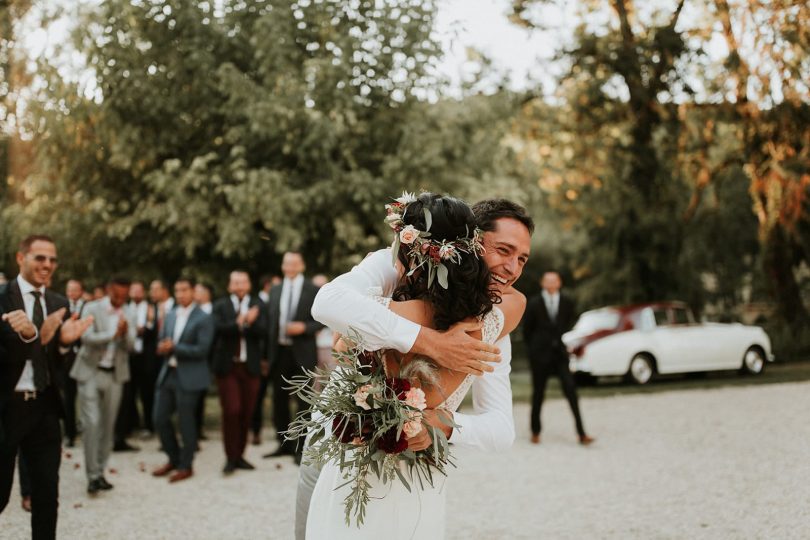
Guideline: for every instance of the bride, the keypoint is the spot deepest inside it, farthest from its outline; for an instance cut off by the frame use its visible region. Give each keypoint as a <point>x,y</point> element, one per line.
<point>465,292</point>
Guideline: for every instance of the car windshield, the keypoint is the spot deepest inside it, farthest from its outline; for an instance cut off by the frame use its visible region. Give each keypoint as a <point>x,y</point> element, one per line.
<point>593,321</point>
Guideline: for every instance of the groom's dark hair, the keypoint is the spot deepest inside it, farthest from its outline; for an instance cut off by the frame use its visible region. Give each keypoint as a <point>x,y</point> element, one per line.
<point>488,211</point>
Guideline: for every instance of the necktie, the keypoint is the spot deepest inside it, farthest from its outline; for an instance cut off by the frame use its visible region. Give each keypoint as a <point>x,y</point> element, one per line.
<point>39,362</point>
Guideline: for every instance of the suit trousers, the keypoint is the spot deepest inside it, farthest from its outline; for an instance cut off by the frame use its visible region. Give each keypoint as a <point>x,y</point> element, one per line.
<point>286,367</point>
<point>99,399</point>
<point>554,364</point>
<point>171,398</point>
<point>237,396</point>
<point>69,393</point>
<point>33,428</point>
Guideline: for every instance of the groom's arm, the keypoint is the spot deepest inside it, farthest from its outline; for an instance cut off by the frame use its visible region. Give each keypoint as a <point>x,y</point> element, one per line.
<point>491,425</point>
<point>344,302</point>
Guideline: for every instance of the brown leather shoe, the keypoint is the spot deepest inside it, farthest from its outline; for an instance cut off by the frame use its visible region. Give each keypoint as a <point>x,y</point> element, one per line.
<point>584,440</point>
<point>164,470</point>
<point>535,438</point>
<point>180,475</point>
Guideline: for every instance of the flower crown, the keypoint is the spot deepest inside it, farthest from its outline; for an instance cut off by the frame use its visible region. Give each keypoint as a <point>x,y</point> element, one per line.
<point>423,251</point>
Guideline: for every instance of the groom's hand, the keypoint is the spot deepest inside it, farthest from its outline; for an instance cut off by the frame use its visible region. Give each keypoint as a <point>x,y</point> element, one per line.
<point>456,349</point>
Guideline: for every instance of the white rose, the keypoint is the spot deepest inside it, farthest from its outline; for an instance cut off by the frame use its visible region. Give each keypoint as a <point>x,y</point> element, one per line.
<point>408,234</point>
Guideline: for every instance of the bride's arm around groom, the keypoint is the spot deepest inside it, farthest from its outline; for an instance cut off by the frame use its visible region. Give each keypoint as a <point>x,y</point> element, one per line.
<point>346,303</point>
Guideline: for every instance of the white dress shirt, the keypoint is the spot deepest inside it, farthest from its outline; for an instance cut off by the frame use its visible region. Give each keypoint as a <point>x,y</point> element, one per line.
<point>288,287</point>
<point>343,303</point>
<point>241,307</point>
<point>181,319</point>
<point>26,381</point>
<point>552,304</point>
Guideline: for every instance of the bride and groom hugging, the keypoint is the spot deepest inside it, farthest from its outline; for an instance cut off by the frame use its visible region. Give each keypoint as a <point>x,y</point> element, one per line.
<point>400,301</point>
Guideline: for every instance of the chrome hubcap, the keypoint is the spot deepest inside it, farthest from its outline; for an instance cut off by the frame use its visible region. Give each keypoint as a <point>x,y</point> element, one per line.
<point>641,370</point>
<point>753,361</point>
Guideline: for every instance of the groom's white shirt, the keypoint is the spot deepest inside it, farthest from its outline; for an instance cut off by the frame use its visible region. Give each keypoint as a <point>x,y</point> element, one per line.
<point>345,302</point>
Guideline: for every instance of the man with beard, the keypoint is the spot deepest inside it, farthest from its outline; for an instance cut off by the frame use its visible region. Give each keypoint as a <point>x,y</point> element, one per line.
<point>35,333</point>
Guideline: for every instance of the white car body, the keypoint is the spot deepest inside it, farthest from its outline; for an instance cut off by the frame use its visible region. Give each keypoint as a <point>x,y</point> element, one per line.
<point>667,334</point>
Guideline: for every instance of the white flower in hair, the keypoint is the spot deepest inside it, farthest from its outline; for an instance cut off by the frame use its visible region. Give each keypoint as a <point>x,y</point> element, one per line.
<point>406,198</point>
<point>408,234</point>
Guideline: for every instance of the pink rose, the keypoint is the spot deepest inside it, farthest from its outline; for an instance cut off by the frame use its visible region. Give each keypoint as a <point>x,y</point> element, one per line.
<point>408,234</point>
<point>447,251</point>
<point>416,399</point>
<point>412,428</point>
<point>361,396</point>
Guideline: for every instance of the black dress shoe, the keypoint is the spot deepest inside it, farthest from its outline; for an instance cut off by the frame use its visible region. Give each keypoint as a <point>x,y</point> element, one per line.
<point>279,452</point>
<point>93,487</point>
<point>123,446</point>
<point>243,464</point>
<point>229,468</point>
<point>103,484</point>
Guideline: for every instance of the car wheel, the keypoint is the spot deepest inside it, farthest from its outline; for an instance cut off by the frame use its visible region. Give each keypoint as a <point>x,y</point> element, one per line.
<point>641,369</point>
<point>753,361</point>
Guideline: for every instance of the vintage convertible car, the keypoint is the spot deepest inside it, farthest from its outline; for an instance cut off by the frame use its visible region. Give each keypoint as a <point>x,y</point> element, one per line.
<point>643,340</point>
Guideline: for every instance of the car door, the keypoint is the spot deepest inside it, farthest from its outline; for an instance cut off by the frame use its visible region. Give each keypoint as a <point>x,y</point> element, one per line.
<point>665,341</point>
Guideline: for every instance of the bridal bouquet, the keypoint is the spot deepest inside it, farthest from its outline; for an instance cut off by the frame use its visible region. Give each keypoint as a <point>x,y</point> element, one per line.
<point>361,421</point>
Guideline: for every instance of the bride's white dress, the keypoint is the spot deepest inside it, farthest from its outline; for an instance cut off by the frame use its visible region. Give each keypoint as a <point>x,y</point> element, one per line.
<point>393,512</point>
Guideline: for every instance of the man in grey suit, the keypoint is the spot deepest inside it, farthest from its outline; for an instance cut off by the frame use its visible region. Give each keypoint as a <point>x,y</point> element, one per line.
<point>101,369</point>
<point>185,342</point>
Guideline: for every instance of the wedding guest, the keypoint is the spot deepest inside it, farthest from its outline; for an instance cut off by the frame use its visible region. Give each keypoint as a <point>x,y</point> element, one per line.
<point>101,369</point>
<point>185,342</point>
<point>128,417</point>
<point>267,282</point>
<point>324,340</point>
<point>34,331</point>
<point>99,292</point>
<point>291,345</point>
<point>548,316</point>
<point>203,293</point>
<point>241,326</point>
<point>74,292</point>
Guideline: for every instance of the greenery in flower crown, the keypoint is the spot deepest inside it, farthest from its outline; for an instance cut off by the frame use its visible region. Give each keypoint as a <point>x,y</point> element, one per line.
<point>361,421</point>
<point>424,252</point>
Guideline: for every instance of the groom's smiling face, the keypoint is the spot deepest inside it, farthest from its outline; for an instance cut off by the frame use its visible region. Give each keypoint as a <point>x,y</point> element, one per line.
<point>507,251</point>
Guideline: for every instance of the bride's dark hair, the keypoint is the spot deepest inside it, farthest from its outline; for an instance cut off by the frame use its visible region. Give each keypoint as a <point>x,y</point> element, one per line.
<point>470,292</point>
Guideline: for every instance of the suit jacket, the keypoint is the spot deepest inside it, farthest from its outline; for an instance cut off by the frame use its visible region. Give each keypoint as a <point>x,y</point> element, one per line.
<point>304,347</point>
<point>542,335</point>
<point>191,350</point>
<point>97,339</point>
<point>228,335</point>
<point>14,353</point>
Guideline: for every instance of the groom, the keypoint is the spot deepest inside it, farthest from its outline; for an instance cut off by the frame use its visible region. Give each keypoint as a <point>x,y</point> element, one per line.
<point>345,303</point>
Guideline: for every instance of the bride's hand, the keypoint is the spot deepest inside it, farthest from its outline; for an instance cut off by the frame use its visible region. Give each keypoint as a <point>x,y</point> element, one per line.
<point>420,441</point>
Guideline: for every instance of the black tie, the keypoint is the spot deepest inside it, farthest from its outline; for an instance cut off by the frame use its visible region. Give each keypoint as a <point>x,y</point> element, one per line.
<point>39,362</point>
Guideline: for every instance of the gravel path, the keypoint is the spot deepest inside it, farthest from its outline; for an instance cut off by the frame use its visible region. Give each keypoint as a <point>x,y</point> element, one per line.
<point>719,463</point>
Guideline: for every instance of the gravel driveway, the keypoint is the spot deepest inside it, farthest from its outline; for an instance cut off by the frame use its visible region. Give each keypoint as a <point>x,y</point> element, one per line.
<point>719,463</point>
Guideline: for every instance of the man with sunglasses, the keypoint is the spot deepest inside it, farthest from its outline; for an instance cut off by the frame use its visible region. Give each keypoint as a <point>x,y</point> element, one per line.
<point>35,332</point>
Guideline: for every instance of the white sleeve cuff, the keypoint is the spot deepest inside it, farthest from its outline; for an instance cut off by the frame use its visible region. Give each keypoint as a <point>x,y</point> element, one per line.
<point>33,339</point>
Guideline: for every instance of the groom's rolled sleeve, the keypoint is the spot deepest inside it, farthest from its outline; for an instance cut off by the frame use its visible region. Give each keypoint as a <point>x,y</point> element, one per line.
<point>344,303</point>
<point>491,425</point>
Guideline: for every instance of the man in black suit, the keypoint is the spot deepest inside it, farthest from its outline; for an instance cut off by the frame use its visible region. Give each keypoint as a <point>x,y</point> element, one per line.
<point>35,326</point>
<point>74,291</point>
<point>241,330</point>
<point>291,344</point>
<point>548,316</point>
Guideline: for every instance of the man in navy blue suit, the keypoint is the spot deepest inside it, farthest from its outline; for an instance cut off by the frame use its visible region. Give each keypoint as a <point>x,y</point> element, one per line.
<point>185,342</point>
